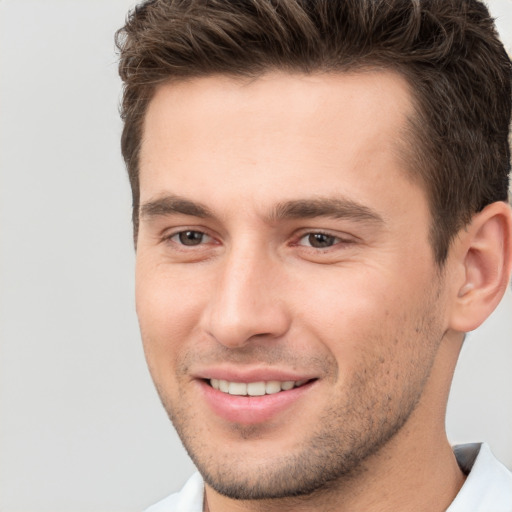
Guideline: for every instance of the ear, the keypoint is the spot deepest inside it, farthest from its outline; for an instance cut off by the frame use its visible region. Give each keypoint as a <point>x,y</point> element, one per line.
<point>483,255</point>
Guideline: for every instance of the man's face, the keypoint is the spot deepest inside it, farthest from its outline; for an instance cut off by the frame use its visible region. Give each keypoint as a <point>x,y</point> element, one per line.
<point>283,245</point>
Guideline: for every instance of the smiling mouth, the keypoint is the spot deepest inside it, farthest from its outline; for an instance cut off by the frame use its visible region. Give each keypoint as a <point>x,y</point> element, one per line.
<point>261,388</point>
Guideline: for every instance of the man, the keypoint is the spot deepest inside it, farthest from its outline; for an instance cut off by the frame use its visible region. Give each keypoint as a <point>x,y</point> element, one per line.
<point>320,214</point>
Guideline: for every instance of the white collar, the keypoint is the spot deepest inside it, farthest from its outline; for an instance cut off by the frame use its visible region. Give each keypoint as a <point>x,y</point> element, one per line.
<point>488,486</point>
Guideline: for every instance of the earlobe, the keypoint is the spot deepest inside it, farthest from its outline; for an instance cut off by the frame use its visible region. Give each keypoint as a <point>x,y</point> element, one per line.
<point>485,256</point>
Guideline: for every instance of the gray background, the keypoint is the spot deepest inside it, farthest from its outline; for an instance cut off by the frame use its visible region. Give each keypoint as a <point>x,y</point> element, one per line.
<point>81,428</point>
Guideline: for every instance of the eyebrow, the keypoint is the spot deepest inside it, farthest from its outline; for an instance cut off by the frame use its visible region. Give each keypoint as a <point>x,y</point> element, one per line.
<point>170,205</point>
<point>337,208</point>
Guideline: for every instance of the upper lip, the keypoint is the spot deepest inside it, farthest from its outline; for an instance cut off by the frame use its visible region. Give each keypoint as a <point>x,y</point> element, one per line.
<point>239,374</point>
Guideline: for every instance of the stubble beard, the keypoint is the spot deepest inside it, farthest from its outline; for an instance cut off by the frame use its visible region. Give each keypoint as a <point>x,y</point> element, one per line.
<point>351,430</point>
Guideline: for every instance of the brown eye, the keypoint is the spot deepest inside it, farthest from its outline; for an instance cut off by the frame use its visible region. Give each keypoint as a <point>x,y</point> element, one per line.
<point>190,237</point>
<point>320,240</point>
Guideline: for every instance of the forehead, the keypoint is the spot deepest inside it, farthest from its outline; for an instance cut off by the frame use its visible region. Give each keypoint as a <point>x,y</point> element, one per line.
<point>267,136</point>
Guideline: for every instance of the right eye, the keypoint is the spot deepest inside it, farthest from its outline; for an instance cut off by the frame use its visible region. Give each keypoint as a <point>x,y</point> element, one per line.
<point>190,238</point>
<point>319,240</point>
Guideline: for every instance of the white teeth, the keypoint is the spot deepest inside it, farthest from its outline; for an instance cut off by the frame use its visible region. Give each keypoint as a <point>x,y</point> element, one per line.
<point>272,386</point>
<point>237,388</point>
<point>255,388</point>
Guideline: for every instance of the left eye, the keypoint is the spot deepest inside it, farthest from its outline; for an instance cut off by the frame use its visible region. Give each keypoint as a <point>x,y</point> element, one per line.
<point>319,240</point>
<point>190,238</point>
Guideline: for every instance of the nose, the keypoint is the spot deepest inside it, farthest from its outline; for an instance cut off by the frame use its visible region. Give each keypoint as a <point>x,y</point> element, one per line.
<point>247,302</point>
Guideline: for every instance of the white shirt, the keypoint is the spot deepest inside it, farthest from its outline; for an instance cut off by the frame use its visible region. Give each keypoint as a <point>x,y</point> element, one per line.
<point>488,486</point>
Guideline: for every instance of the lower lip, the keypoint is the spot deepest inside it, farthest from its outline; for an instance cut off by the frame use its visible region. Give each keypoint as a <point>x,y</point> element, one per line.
<point>251,409</point>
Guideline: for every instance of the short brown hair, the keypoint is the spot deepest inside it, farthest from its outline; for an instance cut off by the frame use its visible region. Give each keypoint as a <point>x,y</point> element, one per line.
<point>448,50</point>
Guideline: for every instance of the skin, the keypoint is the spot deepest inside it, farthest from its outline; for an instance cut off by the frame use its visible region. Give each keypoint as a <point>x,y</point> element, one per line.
<point>369,316</point>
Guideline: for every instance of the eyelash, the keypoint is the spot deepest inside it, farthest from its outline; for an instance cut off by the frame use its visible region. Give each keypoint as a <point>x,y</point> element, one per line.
<point>177,234</point>
<point>336,240</point>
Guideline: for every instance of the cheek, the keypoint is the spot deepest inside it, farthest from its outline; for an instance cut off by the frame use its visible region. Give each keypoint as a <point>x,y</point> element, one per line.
<point>367,321</point>
<point>165,296</point>
<point>168,309</point>
<point>348,304</point>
